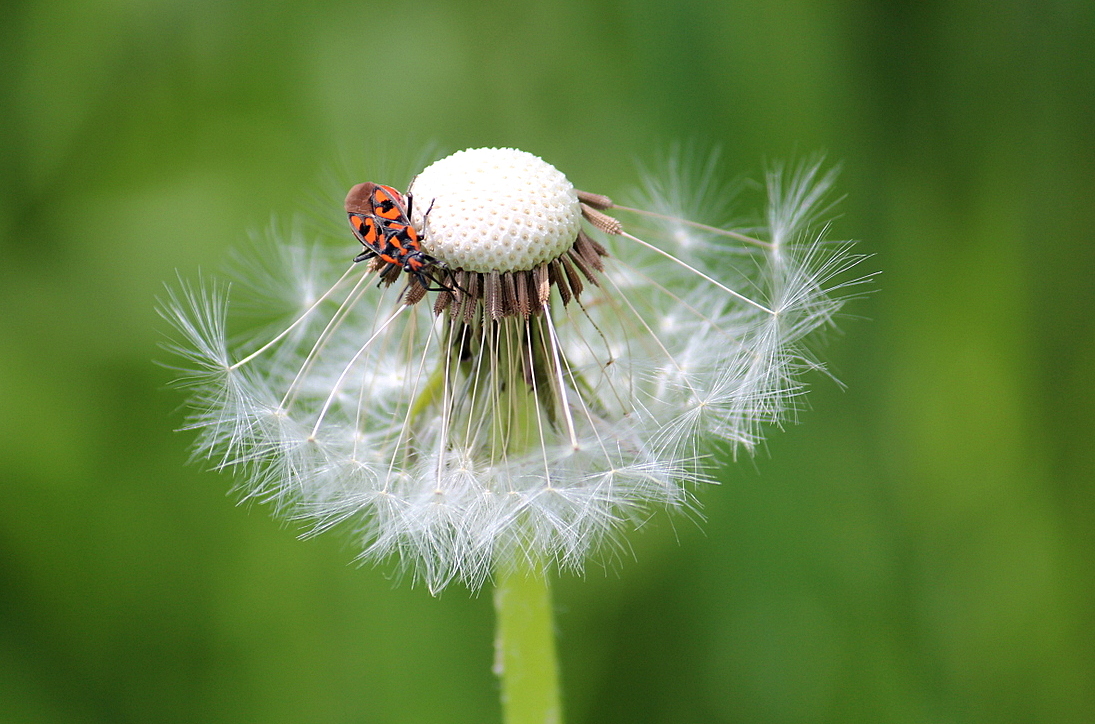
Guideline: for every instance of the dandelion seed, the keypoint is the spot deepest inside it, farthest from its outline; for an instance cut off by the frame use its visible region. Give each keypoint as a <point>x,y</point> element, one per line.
<point>524,371</point>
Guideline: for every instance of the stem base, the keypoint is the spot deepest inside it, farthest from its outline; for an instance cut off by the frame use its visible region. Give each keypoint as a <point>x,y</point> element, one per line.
<point>524,648</point>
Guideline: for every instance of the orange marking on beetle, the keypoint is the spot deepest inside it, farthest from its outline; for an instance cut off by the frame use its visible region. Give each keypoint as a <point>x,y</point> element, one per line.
<point>388,204</point>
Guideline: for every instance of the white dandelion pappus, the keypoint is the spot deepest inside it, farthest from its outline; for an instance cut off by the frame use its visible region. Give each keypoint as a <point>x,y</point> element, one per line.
<point>553,391</point>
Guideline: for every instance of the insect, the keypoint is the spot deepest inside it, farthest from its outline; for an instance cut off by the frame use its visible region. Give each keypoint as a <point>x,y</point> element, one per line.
<point>381,221</point>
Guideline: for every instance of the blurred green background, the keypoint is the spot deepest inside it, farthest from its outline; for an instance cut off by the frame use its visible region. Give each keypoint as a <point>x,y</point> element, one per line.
<point>920,549</point>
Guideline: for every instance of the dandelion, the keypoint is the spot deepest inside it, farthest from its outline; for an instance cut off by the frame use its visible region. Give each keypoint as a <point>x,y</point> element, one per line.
<point>528,372</point>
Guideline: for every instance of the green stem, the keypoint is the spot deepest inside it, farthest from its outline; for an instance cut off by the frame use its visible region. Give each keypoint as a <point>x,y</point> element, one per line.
<point>525,637</point>
<point>524,647</point>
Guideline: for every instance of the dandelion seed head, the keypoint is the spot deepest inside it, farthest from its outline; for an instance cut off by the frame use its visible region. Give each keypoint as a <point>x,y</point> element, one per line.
<point>555,396</point>
<point>495,209</point>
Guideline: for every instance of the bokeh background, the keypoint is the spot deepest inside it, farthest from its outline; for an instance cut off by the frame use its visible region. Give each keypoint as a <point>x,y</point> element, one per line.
<point>919,549</point>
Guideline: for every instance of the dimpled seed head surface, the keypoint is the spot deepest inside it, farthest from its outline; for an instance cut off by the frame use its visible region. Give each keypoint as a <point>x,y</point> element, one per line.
<point>495,209</point>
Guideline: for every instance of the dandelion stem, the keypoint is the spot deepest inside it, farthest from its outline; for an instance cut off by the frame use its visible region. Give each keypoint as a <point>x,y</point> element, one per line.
<point>524,647</point>
<point>525,638</point>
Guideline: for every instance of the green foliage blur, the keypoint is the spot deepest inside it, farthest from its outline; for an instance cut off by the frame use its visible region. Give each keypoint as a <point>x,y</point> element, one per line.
<point>919,549</point>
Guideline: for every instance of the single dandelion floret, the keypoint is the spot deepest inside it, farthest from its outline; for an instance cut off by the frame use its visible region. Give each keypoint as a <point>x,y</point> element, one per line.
<point>557,388</point>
